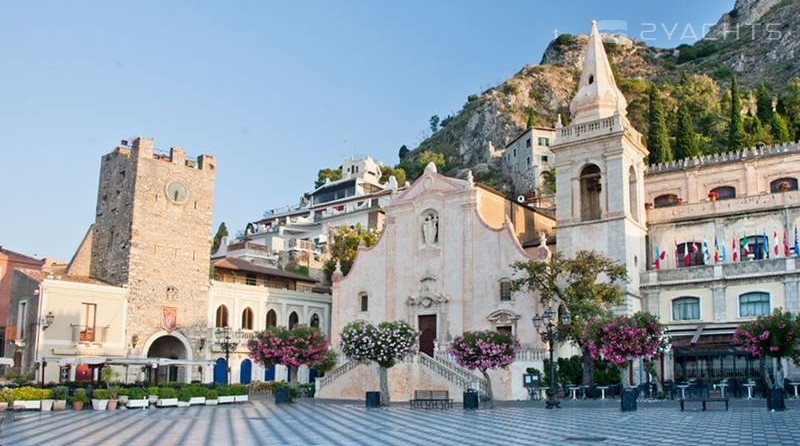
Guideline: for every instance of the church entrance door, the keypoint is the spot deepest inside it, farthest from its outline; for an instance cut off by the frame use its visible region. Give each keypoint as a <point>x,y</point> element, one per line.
<point>427,328</point>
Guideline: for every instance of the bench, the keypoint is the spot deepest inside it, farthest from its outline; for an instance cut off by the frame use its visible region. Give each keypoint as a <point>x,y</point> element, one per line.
<point>431,399</point>
<point>704,401</point>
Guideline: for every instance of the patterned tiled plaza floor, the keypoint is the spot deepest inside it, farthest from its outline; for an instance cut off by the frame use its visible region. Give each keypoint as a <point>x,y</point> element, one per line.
<point>260,422</point>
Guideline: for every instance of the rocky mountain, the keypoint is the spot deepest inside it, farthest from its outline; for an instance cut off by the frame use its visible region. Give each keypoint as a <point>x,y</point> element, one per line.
<point>759,53</point>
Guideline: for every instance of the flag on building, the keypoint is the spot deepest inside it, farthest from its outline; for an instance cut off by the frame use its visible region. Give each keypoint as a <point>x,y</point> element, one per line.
<point>724,254</point>
<point>786,252</point>
<point>764,245</point>
<point>796,243</point>
<point>745,247</point>
<point>716,250</point>
<point>775,246</point>
<point>735,255</point>
<point>706,256</point>
<point>686,254</point>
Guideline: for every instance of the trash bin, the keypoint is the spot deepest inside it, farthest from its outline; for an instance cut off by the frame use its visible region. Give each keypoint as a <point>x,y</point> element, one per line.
<point>373,399</point>
<point>775,399</point>
<point>471,399</point>
<point>282,395</point>
<point>628,399</point>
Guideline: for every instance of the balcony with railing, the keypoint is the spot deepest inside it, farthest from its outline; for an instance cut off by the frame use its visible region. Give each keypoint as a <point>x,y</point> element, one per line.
<point>722,271</point>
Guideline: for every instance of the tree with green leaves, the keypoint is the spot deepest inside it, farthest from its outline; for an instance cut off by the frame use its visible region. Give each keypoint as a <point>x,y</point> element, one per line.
<point>686,145</point>
<point>574,284</point>
<point>328,174</point>
<point>764,103</point>
<point>790,103</point>
<point>434,122</point>
<point>780,129</point>
<point>403,152</point>
<point>398,173</point>
<point>343,243</point>
<point>657,135</point>
<point>222,231</point>
<point>737,138</point>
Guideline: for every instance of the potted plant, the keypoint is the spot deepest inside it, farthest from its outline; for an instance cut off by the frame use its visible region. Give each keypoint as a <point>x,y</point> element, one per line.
<point>6,397</point>
<point>198,394</point>
<point>167,397</point>
<point>239,392</point>
<point>713,196</point>
<point>783,186</point>
<point>225,395</point>
<point>124,396</point>
<point>137,398</point>
<point>79,399</point>
<point>60,398</point>
<point>152,394</point>
<point>47,399</point>
<point>184,395</point>
<point>113,397</point>
<point>100,399</point>
<point>27,397</point>
<point>211,398</point>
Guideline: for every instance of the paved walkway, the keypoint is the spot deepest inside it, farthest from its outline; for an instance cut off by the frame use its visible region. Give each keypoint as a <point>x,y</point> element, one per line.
<point>327,423</point>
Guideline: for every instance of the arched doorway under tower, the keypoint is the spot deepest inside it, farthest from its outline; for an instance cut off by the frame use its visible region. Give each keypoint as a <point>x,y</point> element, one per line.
<point>169,347</point>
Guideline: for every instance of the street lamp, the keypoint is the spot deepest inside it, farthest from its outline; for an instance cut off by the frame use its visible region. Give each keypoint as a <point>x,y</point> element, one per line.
<point>546,325</point>
<point>228,340</point>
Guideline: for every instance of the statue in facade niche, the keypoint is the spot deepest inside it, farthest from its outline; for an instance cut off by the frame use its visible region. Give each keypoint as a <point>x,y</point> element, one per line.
<point>430,229</point>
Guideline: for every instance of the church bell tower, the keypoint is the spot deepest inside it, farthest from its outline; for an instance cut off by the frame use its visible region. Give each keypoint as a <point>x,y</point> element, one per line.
<point>600,165</point>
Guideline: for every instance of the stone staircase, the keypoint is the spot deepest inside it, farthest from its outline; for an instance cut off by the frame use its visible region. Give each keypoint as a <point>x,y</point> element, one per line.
<point>442,365</point>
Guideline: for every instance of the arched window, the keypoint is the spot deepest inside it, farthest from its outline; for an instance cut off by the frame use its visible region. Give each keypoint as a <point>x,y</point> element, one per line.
<point>247,319</point>
<point>686,308</point>
<point>364,298</point>
<point>754,304</point>
<point>633,193</point>
<point>724,192</point>
<point>314,320</point>
<point>665,201</point>
<point>222,316</point>
<point>272,318</point>
<point>690,254</point>
<point>783,185</point>
<point>293,320</point>
<point>590,193</point>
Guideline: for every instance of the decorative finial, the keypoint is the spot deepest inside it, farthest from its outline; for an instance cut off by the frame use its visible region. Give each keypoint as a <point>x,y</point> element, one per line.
<point>470,178</point>
<point>337,273</point>
<point>559,124</point>
<point>431,168</point>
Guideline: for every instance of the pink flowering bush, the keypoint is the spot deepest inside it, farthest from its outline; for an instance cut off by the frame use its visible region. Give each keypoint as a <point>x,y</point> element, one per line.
<point>619,339</point>
<point>289,347</point>
<point>385,344</point>
<point>774,336</point>
<point>485,350</point>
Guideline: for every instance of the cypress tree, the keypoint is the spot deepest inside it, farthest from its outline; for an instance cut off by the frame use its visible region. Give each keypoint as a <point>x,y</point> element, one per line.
<point>686,145</point>
<point>780,129</point>
<point>657,135</point>
<point>222,231</point>
<point>763,103</point>
<point>736,135</point>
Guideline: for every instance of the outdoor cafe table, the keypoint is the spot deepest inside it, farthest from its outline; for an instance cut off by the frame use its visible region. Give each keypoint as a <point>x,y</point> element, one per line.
<point>749,390</point>
<point>683,390</point>
<point>574,390</point>
<point>795,384</point>
<point>722,387</point>
<point>602,391</point>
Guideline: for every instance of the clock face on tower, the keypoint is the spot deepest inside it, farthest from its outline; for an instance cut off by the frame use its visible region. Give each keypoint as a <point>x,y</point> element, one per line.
<point>177,192</point>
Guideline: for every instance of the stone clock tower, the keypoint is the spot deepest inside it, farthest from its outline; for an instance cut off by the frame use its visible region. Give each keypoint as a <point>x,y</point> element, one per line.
<point>600,166</point>
<point>152,232</point>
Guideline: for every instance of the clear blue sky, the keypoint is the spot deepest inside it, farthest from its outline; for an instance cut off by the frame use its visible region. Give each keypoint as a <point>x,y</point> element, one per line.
<point>275,90</point>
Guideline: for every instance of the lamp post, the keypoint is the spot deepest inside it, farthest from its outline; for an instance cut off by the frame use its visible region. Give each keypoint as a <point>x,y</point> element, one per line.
<point>228,340</point>
<point>546,325</point>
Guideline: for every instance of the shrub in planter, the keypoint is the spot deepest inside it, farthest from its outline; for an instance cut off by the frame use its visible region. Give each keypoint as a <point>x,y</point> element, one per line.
<point>184,395</point>
<point>79,399</point>
<point>137,398</point>
<point>100,399</point>
<point>212,398</point>
<point>167,393</point>
<point>197,393</point>
<point>6,398</point>
<point>28,397</point>
<point>226,395</point>
<point>46,395</point>
<point>152,393</point>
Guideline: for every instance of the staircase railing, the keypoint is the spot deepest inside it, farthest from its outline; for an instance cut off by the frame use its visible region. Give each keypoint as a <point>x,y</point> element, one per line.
<point>452,372</point>
<point>332,375</point>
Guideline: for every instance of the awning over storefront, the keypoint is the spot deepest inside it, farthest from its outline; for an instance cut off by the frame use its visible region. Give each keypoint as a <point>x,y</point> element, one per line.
<point>63,362</point>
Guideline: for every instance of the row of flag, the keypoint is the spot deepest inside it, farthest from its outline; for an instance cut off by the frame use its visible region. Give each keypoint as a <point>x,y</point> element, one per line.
<point>756,245</point>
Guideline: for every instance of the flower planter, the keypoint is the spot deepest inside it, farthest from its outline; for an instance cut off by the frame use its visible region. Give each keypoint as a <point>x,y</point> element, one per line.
<point>197,400</point>
<point>77,405</point>
<point>212,402</point>
<point>99,404</point>
<point>138,404</point>
<point>28,405</point>
<point>112,404</point>
<point>123,400</point>
<point>152,398</point>
<point>167,402</point>
<point>47,405</point>
<point>183,404</point>
<point>240,398</point>
<point>3,406</point>
<point>59,405</point>
<point>227,399</point>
